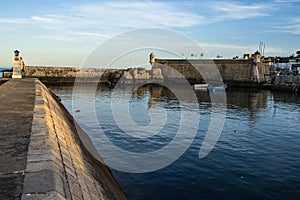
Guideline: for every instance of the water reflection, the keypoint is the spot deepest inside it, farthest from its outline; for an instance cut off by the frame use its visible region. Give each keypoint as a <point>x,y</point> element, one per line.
<point>257,156</point>
<point>254,100</point>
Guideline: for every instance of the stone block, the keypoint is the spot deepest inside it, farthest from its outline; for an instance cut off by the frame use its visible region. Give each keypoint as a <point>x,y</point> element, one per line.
<point>42,182</point>
<point>39,113</point>
<point>39,99</point>
<point>39,136</point>
<point>39,130</point>
<point>43,154</point>
<point>82,183</point>
<point>37,121</point>
<point>69,164</point>
<point>70,170</point>
<point>65,151</point>
<point>44,165</point>
<point>74,187</point>
<point>39,157</point>
<point>46,196</point>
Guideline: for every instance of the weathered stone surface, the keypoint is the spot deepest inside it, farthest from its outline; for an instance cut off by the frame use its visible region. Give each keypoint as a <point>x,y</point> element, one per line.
<point>16,107</point>
<point>44,165</point>
<point>46,196</point>
<point>156,73</point>
<point>75,188</point>
<point>287,83</point>
<point>236,72</point>
<point>11,186</point>
<point>42,182</point>
<point>67,75</point>
<point>41,154</point>
<point>76,166</point>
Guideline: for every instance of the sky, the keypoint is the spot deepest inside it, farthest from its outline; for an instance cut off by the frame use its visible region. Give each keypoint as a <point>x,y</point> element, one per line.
<point>65,32</point>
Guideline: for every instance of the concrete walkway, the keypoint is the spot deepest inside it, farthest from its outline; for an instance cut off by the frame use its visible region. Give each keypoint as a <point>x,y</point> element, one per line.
<point>16,110</point>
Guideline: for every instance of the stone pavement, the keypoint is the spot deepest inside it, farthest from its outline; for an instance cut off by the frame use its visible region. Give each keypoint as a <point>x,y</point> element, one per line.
<point>42,154</point>
<point>16,110</point>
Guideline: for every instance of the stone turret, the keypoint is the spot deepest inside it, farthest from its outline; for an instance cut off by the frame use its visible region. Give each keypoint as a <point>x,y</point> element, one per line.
<point>257,57</point>
<point>152,59</point>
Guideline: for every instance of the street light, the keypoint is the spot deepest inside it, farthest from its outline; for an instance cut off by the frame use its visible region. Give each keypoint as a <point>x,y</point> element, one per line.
<point>16,52</point>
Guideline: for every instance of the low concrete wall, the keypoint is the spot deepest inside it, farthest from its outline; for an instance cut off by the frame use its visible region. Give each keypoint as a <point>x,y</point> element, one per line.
<point>58,164</point>
<point>287,83</point>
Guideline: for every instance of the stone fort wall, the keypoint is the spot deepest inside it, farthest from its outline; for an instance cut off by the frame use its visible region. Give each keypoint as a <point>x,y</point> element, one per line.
<point>239,72</point>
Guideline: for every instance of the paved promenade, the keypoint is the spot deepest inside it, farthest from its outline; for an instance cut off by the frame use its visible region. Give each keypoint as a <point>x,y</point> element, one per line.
<point>42,154</point>
<point>16,110</point>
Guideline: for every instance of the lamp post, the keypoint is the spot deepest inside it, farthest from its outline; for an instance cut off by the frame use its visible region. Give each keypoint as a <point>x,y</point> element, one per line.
<point>16,52</point>
<point>17,73</point>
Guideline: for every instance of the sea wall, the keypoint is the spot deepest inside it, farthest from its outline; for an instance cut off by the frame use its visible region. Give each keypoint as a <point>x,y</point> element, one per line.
<point>59,166</point>
<point>67,75</point>
<point>287,83</point>
<point>239,72</point>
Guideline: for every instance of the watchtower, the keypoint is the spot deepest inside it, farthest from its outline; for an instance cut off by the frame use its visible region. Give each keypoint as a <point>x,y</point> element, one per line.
<point>152,59</point>
<point>257,57</point>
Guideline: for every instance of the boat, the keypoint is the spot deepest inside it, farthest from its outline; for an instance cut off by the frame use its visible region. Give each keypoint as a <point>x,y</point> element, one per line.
<point>217,88</point>
<point>200,86</point>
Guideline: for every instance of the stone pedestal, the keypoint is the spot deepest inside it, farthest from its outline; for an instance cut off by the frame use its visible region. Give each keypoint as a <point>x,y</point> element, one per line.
<point>17,72</point>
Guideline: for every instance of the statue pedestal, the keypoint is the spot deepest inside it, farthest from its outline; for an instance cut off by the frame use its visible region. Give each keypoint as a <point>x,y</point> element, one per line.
<point>17,72</point>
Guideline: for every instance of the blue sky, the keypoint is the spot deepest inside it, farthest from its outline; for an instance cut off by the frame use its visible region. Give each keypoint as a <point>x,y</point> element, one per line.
<point>64,32</point>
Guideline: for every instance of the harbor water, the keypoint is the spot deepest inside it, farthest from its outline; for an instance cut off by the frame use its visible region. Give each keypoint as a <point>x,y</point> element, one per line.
<point>257,155</point>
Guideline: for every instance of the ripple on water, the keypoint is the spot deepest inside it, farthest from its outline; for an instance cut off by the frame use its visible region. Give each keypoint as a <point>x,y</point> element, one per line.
<point>256,157</point>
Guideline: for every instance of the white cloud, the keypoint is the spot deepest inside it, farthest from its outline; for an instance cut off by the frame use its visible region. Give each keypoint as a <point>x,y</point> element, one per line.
<point>63,38</point>
<point>286,1</point>
<point>235,10</point>
<point>293,27</point>
<point>102,19</point>
<point>97,35</point>
<point>139,14</point>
